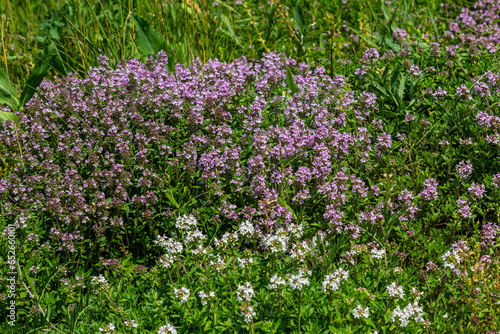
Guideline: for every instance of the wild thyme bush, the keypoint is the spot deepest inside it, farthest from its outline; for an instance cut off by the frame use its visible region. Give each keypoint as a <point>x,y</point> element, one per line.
<point>266,196</point>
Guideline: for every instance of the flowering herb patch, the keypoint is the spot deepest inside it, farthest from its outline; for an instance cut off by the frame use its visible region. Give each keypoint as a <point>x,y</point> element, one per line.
<point>265,196</point>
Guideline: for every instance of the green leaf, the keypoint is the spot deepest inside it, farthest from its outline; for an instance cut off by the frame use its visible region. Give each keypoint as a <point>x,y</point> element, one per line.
<point>394,77</point>
<point>171,198</point>
<point>401,89</point>
<point>284,204</point>
<point>148,41</point>
<point>37,74</point>
<point>299,19</point>
<point>230,30</point>
<point>289,81</point>
<point>5,96</point>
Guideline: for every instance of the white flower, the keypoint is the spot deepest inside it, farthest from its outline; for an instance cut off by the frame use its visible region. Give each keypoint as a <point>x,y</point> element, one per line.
<point>206,297</point>
<point>166,261</point>
<point>377,254</point>
<point>445,316</point>
<point>451,259</point>
<point>403,316</point>
<point>332,281</point>
<point>182,294</point>
<point>171,246</point>
<point>296,230</point>
<point>276,282</point>
<point>245,262</point>
<point>186,222</point>
<point>398,270</point>
<point>130,324</point>
<point>249,314</point>
<point>167,329</point>
<point>297,282</point>
<point>107,329</point>
<point>244,292</point>
<point>195,236</point>
<point>218,264</point>
<point>199,250</point>
<point>246,229</point>
<point>276,242</point>
<point>99,282</point>
<point>360,312</point>
<point>395,290</point>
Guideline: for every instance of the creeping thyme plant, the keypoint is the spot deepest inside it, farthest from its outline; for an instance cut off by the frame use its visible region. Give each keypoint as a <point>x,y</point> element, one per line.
<point>266,195</point>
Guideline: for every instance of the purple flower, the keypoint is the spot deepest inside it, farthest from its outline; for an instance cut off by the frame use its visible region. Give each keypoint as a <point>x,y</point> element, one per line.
<point>463,92</point>
<point>489,234</point>
<point>439,93</point>
<point>430,189</point>
<point>399,34</point>
<point>476,190</point>
<point>464,169</point>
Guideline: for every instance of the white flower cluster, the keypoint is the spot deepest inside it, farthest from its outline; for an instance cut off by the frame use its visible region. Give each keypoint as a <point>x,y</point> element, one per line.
<point>276,282</point>
<point>171,246</point>
<point>228,239</point>
<point>417,294</point>
<point>200,250</point>
<point>248,314</point>
<point>182,294</point>
<point>205,298</point>
<point>194,236</point>
<point>276,242</point>
<point>377,253</point>
<point>246,229</point>
<point>218,264</point>
<point>99,282</point>
<point>186,222</point>
<point>167,329</point>
<point>395,291</point>
<point>300,250</point>
<point>130,324</point>
<point>245,292</point>
<point>108,329</point>
<point>245,262</point>
<point>404,316</point>
<point>297,282</point>
<point>360,312</point>
<point>296,230</point>
<point>332,281</point>
<point>451,259</point>
<point>166,261</point>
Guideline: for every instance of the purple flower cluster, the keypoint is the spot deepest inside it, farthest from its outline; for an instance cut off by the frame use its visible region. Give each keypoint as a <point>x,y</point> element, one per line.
<point>430,190</point>
<point>489,234</point>
<point>476,190</point>
<point>464,169</point>
<point>115,140</point>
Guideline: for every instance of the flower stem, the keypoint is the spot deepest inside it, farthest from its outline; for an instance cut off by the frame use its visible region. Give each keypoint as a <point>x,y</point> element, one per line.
<point>300,292</point>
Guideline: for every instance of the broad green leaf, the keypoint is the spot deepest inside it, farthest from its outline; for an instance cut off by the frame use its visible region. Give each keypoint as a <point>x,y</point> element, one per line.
<point>289,81</point>
<point>37,74</point>
<point>299,19</point>
<point>5,92</point>
<point>401,89</point>
<point>148,41</point>
<point>6,116</point>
